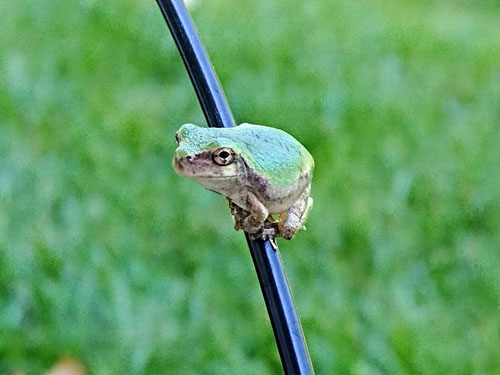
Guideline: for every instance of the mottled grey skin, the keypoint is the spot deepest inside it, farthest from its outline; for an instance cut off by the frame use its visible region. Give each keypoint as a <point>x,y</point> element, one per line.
<point>252,193</point>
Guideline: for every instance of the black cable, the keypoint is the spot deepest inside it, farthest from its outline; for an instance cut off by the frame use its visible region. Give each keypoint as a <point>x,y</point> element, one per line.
<point>273,282</point>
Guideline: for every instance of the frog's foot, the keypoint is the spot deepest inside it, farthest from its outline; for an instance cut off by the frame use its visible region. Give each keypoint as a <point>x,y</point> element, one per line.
<point>269,231</point>
<point>239,215</point>
<point>294,219</point>
<point>252,224</point>
<point>267,234</point>
<point>244,220</point>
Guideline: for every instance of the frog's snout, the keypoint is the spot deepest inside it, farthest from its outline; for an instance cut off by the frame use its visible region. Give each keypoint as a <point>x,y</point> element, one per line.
<point>183,159</point>
<point>183,163</point>
<point>176,163</point>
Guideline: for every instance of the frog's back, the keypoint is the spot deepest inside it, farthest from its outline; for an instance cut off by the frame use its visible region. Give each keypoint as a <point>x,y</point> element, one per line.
<point>273,152</point>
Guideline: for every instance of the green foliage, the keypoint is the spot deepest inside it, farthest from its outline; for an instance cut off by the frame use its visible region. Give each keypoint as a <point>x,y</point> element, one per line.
<point>109,257</point>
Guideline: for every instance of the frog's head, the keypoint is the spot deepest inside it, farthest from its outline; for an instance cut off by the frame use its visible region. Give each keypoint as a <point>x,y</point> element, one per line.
<point>206,156</point>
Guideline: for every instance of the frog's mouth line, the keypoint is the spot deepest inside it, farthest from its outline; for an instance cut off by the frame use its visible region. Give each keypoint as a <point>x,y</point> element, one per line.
<point>178,167</point>
<point>208,177</point>
<point>185,173</point>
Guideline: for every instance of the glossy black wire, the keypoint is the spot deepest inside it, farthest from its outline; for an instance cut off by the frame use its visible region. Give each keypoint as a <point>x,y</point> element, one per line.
<point>270,272</point>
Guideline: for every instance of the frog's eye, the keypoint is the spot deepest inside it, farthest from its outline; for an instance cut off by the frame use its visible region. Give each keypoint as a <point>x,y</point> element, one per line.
<point>177,138</point>
<point>223,156</point>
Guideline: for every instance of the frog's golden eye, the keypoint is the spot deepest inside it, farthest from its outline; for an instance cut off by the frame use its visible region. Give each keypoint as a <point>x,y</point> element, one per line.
<point>223,156</point>
<point>177,138</point>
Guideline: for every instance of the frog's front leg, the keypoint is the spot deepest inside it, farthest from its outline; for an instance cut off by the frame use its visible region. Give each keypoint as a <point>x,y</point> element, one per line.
<point>249,213</point>
<point>294,219</point>
<point>269,229</point>
<point>238,214</point>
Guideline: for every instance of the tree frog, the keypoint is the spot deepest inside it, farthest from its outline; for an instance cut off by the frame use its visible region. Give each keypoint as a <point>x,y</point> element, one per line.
<point>263,171</point>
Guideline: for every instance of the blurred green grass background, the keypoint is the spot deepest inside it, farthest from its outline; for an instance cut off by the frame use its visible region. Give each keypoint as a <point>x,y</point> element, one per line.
<point>109,257</point>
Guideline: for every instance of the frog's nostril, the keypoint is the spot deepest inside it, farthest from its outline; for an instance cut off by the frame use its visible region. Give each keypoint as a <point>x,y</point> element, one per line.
<point>178,163</point>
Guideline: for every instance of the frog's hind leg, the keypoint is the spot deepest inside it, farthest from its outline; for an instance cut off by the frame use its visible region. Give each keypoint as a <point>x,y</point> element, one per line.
<point>294,219</point>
